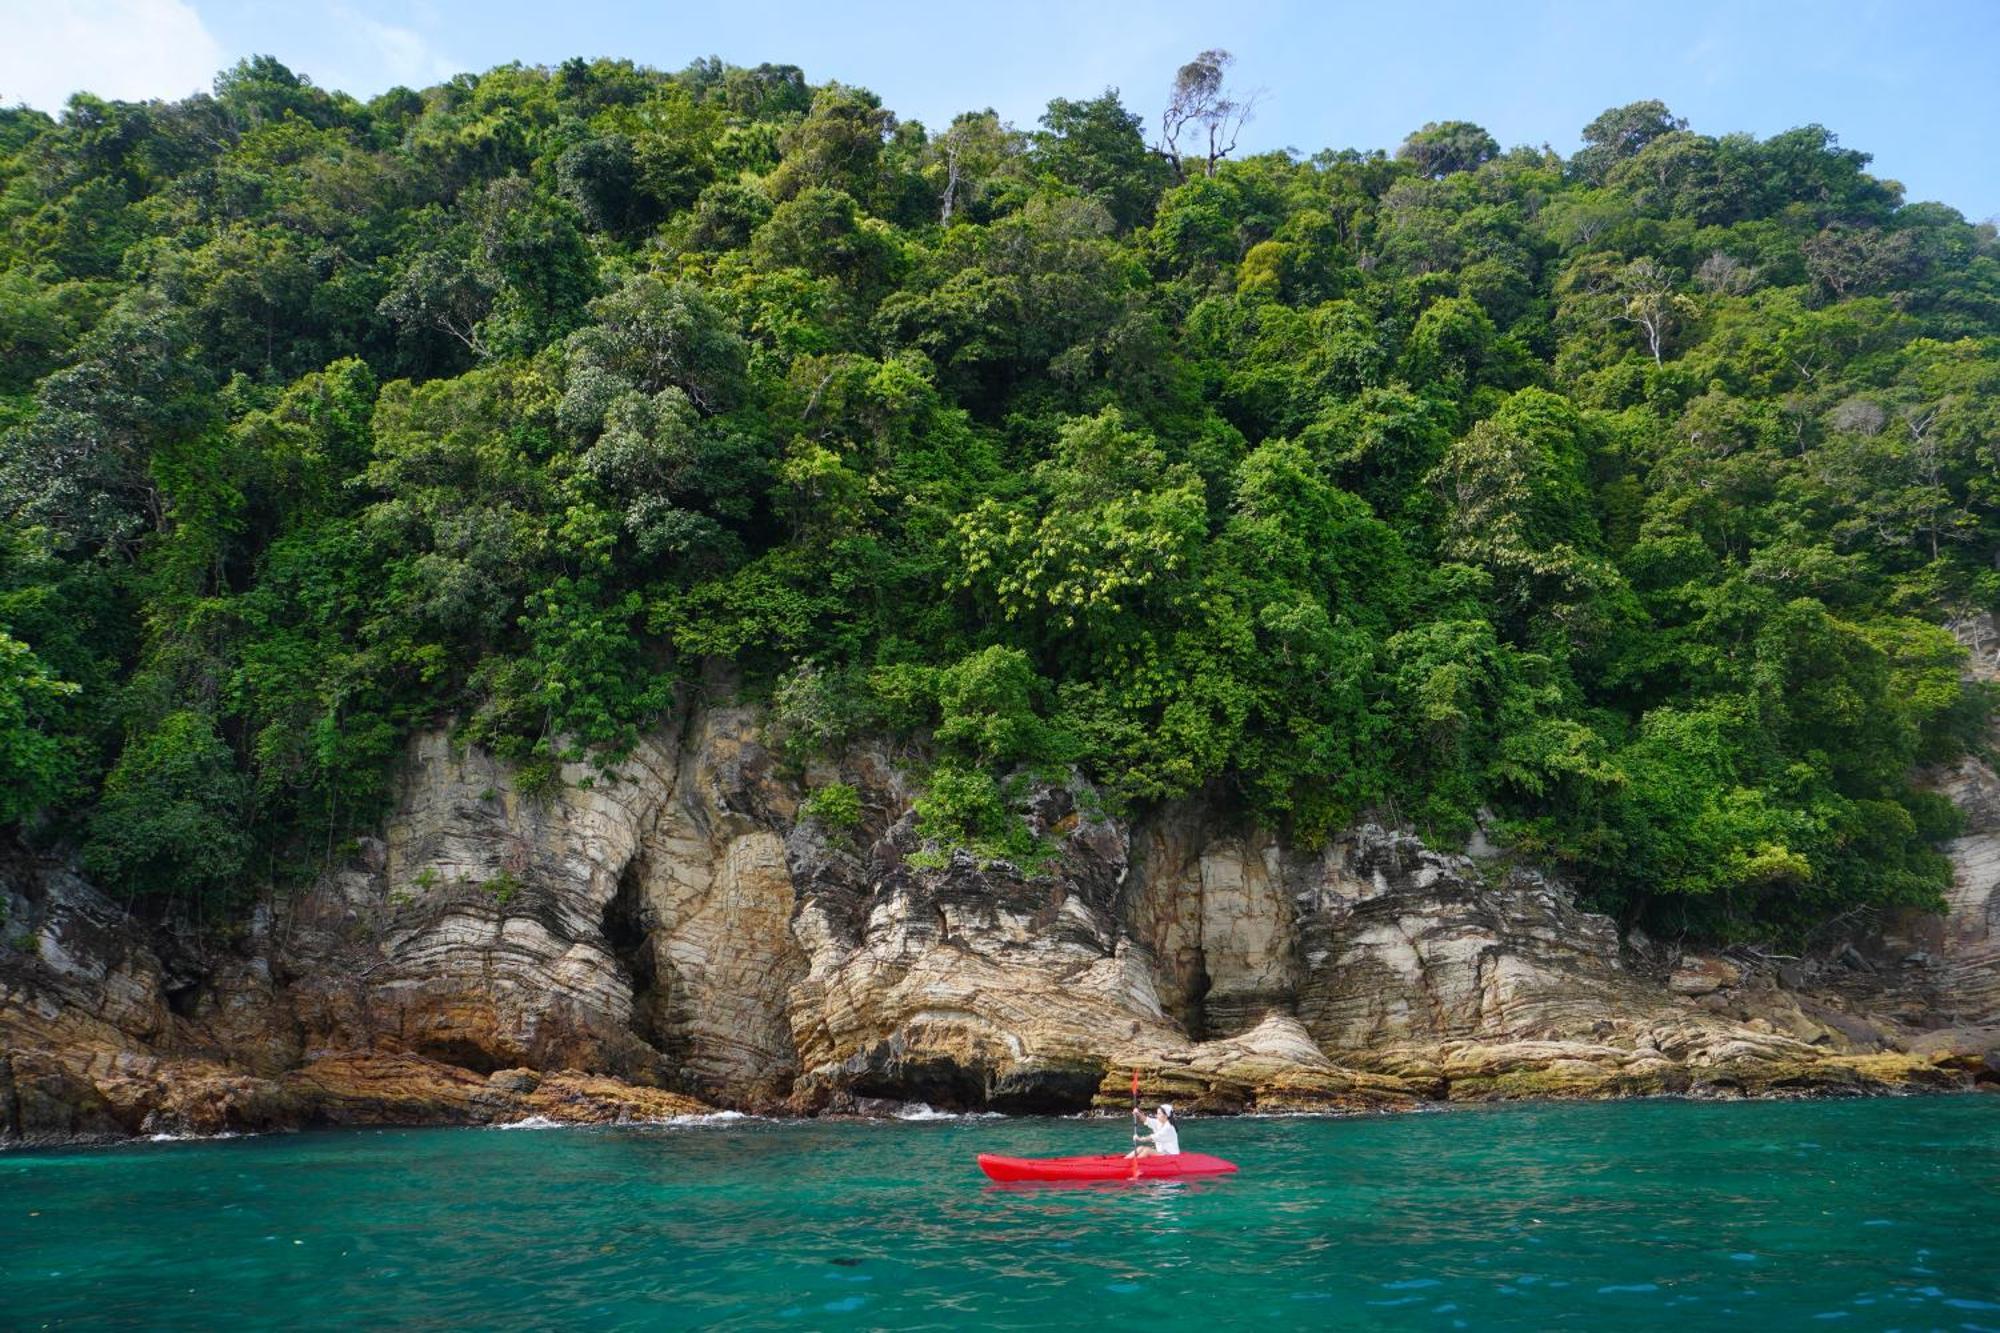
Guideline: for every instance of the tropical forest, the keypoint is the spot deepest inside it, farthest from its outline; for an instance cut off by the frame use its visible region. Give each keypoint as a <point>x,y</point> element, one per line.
<point>1624,510</point>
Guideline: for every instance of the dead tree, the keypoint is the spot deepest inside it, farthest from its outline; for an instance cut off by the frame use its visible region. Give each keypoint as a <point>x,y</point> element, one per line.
<point>1203,111</point>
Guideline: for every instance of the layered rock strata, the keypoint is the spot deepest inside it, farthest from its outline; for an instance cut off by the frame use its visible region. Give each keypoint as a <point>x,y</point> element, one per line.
<point>670,934</point>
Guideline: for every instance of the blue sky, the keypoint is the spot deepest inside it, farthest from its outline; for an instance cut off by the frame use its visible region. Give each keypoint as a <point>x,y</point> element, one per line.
<point>1912,82</point>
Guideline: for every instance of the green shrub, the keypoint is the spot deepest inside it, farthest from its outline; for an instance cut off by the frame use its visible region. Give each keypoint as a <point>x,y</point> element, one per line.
<point>503,886</point>
<point>987,705</point>
<point>965,807</point>
<point>538,777</point>
<point>836,806</point>
<point>171,824</point>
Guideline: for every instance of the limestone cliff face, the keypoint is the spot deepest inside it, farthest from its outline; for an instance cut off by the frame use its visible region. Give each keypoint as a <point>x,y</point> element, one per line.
<point>1964,944</point>
<point>474,932</point>
<point>705,913</point>
<point>1217,908</point>
<point>1941,974</point>
<point>670,934</point>
<point>1407,945</point>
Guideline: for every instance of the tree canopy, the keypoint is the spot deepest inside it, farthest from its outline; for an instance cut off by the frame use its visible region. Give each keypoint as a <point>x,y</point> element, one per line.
<point>1615,503</point>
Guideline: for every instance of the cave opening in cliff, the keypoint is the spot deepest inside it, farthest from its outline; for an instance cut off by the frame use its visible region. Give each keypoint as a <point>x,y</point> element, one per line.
<point>1196,1016</point>
<point>464,1052</point>
<point>183,996</point>
<point>628,934</point>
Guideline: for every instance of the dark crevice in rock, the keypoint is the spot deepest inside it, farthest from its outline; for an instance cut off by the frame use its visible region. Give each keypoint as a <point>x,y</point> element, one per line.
<point>884,1074</point>
<point>939,1082</point>
<point>10,1099</point>
<point>1197,999</point>
<point>1057,1090</point>
<point>183,998</point>
<point>465,1054</point>
<point>628,934</point>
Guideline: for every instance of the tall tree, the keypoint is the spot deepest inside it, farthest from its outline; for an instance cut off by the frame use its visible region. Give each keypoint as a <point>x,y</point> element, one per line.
<point>1201,109</point>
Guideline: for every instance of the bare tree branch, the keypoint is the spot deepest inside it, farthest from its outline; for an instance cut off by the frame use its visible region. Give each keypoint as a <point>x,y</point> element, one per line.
<point>1201,106</point>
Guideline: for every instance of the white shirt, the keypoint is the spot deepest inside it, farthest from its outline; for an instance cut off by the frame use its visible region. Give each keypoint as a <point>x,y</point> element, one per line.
<point>1166,1139</point>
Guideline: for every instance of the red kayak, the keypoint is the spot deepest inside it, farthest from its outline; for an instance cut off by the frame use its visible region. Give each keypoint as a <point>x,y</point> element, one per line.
<point>1110,1167</point>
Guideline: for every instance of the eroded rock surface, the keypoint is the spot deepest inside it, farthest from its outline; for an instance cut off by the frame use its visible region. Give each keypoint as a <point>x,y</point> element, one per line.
<point>710,900</point>
<point>1940,975</point>
<point>669,934</point>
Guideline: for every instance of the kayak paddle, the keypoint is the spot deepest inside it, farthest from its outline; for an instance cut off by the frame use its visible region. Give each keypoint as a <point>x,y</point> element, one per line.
<point>1135,1122</point>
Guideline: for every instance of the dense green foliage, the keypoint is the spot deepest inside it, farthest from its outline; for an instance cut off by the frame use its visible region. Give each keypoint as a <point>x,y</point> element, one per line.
<point>1622,498</point>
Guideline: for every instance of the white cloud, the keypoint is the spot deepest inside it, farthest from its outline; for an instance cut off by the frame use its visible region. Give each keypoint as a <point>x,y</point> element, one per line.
<point>395,54</point>
<point>126,49</point>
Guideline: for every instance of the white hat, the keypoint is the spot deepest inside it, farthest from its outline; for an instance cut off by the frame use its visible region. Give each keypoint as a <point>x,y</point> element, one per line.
<point>1167,1110</point>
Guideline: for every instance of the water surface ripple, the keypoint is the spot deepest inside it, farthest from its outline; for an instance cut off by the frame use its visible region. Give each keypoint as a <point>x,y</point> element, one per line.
<point>1878,1214</point>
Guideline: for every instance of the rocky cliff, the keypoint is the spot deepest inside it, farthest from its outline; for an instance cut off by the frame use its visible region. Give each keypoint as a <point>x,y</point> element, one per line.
<point>671,935</point>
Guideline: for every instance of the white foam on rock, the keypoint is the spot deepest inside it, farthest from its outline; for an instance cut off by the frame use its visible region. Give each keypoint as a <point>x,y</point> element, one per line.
<point>706,1118</point>
<point>925,1111</point>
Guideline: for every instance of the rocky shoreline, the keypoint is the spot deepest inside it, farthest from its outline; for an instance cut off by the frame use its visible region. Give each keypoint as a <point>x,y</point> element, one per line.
<point>673,937</point>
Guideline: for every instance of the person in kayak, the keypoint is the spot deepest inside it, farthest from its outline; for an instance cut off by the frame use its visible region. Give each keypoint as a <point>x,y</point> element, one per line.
<point>1160,1128</point>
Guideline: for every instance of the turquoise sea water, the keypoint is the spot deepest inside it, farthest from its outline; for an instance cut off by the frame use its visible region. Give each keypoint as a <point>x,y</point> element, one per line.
<point>1861,1215</point>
